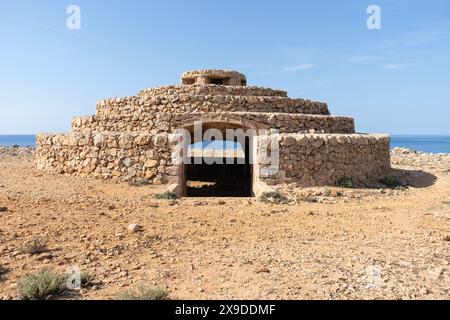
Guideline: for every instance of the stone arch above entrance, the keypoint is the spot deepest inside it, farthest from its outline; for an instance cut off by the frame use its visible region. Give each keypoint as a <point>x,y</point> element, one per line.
<point>218,121</point>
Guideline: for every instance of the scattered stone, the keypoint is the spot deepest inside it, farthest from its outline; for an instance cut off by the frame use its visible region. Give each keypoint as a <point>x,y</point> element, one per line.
<point>403,156</point>
<point>120,236</point>
<point>16,151</point>
<point>134,227</point>
<point>435,273</point>
<point>263,270</point>
<point>172,203</point>
<point>16,253</point>
<point>153,205</point>
<point>334,193</point>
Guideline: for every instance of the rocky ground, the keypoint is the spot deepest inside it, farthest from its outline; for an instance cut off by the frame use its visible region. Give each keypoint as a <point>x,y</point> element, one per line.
<point>402,156</point>
<point>326,243</point>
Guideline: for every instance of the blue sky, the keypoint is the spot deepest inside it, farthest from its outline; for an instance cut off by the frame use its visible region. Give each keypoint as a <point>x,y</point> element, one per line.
<point>394,80</point>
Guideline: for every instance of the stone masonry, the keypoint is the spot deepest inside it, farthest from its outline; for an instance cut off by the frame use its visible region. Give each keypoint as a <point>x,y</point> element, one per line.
<point>131,138</point>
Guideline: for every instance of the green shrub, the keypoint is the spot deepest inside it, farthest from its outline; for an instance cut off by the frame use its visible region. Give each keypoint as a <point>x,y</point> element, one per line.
<point>41,284</point>
<point>36,245</point>
<point>345,182</point>
<point>168,195</point>
<point>273,197</point>
<point>144,292</point>
<point>391,182</point>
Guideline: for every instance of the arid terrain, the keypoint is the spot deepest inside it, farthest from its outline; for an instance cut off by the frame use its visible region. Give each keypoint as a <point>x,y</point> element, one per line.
<point>323,244</point>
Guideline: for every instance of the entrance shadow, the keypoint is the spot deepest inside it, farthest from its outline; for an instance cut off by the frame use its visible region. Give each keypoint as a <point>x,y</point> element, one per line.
<point>217,189</point>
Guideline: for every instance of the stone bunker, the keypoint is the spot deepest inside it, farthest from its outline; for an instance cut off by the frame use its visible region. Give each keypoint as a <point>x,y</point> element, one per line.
<point>135,139</point>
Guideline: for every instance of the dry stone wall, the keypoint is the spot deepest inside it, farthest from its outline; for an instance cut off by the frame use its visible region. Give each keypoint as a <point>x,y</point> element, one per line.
<point>293,123</point>
<point>116,156</point>
<point>212,90</point>
<point>323,159</point>
<point>308,159</point>
<point>187,104</point>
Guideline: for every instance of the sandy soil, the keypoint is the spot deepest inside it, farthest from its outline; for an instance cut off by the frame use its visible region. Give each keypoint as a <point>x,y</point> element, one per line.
<point>230,248</point>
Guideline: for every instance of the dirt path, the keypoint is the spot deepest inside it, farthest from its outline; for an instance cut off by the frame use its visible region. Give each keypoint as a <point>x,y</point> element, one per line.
<point>228,248</point>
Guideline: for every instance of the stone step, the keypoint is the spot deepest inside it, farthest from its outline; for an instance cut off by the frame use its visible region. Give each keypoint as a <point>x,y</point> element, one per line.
<point>285,122</point>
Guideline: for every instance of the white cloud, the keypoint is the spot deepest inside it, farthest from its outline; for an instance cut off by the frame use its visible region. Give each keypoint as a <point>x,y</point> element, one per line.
<point>300,67</point>
<point>419,37</point>
<point>363,58</point>
<point>398,66</point>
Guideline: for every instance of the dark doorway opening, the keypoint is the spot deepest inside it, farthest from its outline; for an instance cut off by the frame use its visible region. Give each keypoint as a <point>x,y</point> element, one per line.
<point>227,176</point>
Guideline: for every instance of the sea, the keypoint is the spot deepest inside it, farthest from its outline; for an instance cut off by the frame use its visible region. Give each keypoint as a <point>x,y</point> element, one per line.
<point>425,143</point>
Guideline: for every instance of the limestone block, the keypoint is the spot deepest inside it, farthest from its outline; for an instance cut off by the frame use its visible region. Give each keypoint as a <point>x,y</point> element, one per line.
<point>125,141</point>
<point>150,163</point>
<point>142,140</point>
<point>161,140</point>
<point>98,140</point>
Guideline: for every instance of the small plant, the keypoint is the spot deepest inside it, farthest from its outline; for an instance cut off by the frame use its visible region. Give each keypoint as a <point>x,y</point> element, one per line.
<point>139,182</point>
<point>327,192</point>
<point>41,285</point>
<point>168,195</point>
<point>36,245</point>
<point>273,197</point>
<point>144,292</point>
<point>345,182</point>
<point>391,182</point>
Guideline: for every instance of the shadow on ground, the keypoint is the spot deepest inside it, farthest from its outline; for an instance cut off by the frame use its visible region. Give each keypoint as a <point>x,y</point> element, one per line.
<point>414,178</point>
